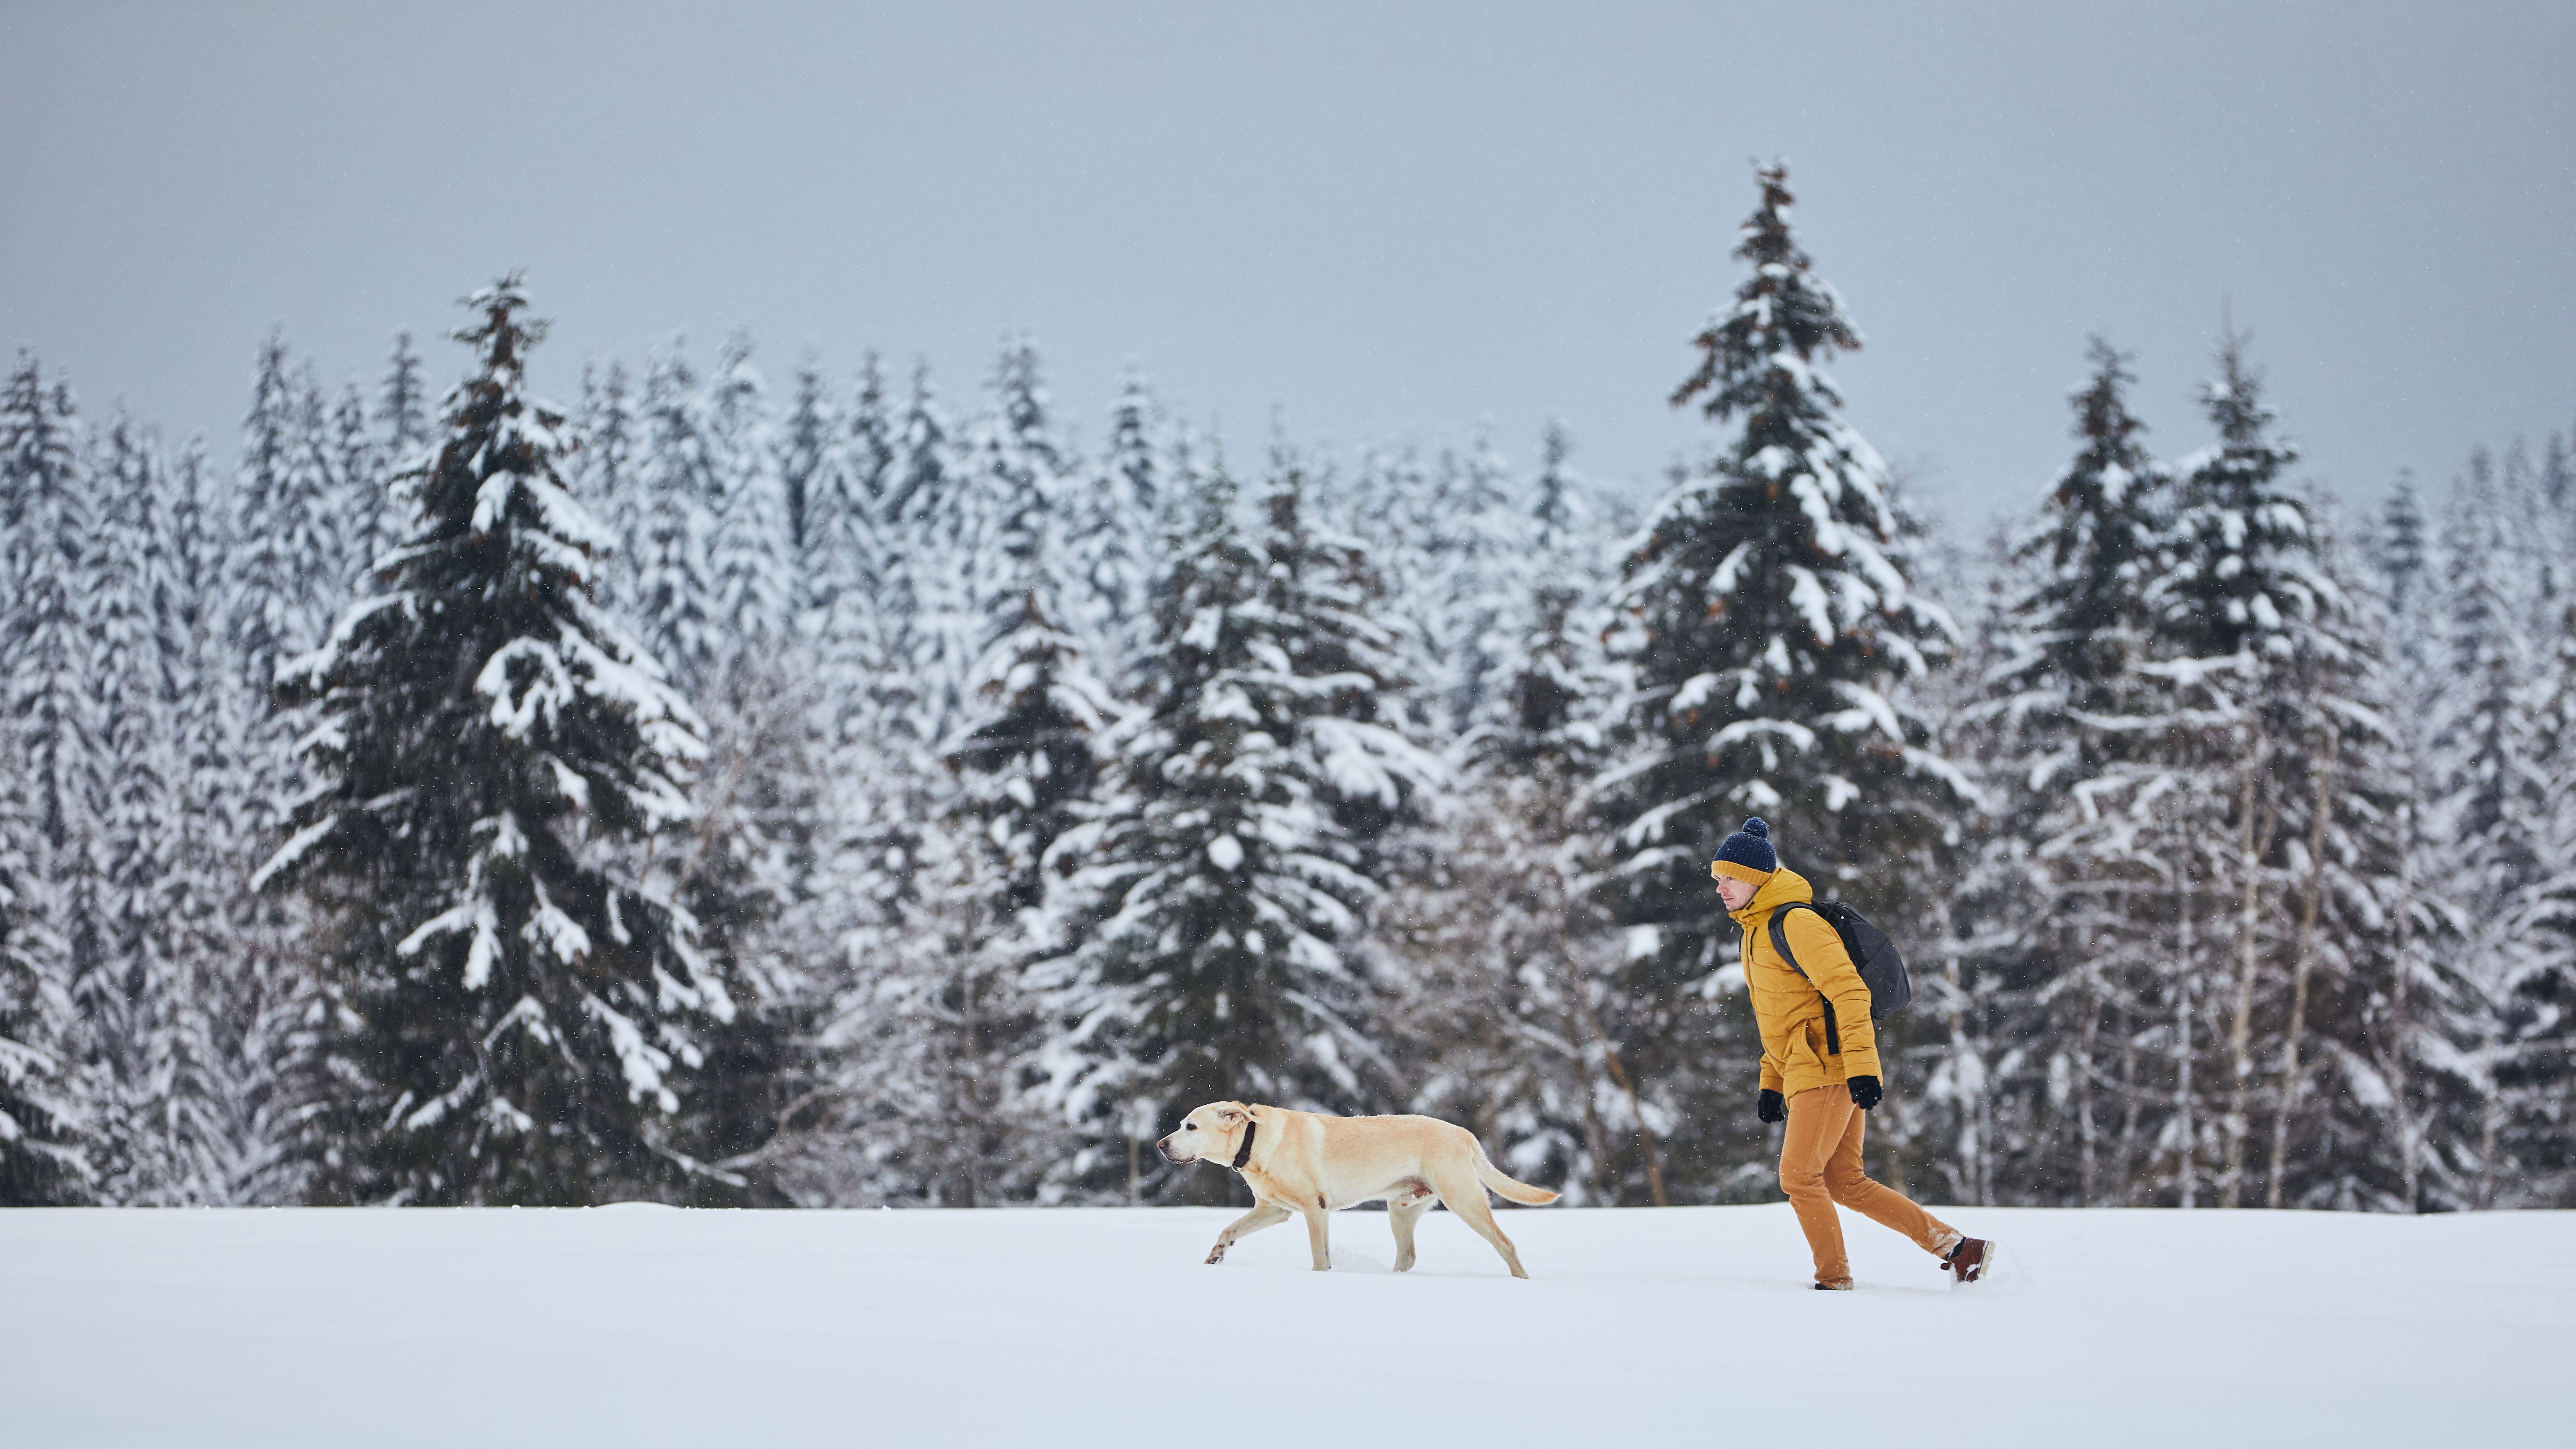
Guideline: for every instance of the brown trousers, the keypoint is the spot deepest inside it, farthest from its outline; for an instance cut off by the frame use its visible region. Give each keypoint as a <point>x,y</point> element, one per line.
<point>1820,1166</point>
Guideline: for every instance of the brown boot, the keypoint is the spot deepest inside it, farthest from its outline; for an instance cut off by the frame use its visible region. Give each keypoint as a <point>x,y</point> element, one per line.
<point>1968,1259</point>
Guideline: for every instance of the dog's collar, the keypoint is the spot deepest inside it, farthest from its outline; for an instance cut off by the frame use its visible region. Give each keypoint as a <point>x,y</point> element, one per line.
<point>1243,1154</point>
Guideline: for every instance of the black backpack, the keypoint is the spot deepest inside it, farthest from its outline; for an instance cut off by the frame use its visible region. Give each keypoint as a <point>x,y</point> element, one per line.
<point>1882,970</point>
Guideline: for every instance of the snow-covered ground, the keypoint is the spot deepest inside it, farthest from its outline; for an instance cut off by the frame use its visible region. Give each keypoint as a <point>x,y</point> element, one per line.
<point>639,1325</point>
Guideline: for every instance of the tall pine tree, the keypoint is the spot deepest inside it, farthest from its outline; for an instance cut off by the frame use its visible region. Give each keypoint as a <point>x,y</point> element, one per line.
<point>1772,632</point>
<point>529,1009</point>
<point>1228,868</point>
<point>44,497</point>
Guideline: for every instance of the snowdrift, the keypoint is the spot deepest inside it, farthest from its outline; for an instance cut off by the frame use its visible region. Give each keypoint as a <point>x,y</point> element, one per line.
<point>644,1326</point>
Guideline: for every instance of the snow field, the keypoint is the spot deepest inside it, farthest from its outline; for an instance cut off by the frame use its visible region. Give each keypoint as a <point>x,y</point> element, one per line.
<point>644,1326</point>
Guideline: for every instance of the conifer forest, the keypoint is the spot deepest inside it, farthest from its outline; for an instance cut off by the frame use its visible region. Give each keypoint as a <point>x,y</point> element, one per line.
<point>767,787</point>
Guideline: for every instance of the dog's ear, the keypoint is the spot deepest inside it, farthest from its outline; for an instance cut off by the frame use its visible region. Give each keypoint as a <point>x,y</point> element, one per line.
<point>1230,1112</point>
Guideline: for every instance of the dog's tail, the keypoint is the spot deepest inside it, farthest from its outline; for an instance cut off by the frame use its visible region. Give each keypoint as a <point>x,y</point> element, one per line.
<point>1519,1192</point>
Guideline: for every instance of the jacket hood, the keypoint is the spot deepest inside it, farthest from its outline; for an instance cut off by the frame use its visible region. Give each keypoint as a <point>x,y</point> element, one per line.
<point>1784,887</point>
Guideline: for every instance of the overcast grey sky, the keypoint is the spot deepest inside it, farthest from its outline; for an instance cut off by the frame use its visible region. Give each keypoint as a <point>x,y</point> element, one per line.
<point>1390,220</point>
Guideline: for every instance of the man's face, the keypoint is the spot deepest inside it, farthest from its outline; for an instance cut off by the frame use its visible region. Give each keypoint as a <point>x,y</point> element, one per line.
<point>1736,892</point>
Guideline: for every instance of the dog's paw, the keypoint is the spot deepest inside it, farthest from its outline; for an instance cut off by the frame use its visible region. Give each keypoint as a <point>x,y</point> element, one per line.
<point>1216,1255</point>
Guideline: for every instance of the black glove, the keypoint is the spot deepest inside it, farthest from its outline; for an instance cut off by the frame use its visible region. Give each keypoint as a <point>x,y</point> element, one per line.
<point>1771,1107</point>
<point>1865,1092</point>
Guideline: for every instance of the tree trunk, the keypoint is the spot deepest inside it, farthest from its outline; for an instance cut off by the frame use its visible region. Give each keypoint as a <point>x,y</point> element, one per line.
<point>2306,961</point>
<point>1619,1074</point>
<point>2189,1167</point>
<point>1576,1024</point>
<point>2130,1105</point>
<point>2094,1005</point>
<point>2396,1046</point>
<point>1973,1147</point>
<point>2490,1116</point>
<point>2256,803</point>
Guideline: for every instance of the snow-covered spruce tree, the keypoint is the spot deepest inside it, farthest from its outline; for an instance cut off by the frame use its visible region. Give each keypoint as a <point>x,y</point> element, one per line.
<point>920,458</point>
<point>668,588</point>
<point>925,595</point>
<point>1557,687</point>
<point>2253,633</point>
<point>2558,475</point>
<point>284,574</point>
<point>527,1021</point>
<point>43,1096</point>
<point>51,700</point>
<point>2241,567</point>
<point>131,996</point>
<point>868,440</point>
<point>2328,1126</point>
<point>2400,556</point>
<point>1025,760</point>
<point>2429,1022</point>
<point>241,1045</point>
<point>402,410</point>
<point>943,572</point>
<point>749,554</point>
<point>50,509</point>
<point>606,472</point>
<point>757,696</point>
<point>944,1022</point>
<point>2537,560</point>
<point>41,1157</point>
<point>1772,631</point>
<point>856,1143</point>
<point>952,505</point>
<point>276,601</point>
<point>1449,537</point>
<point>2490,808</point>
<point>1111,529</point>
<point>2536,1075</point>
<point>1501,951</point>
<point>2058,727</point>
<point>1218,885</point>
<point>830,457</point>
<point>2090,558</point>
<point>199,1048</point>
<point>956,1021</point>
<point>1494,1003</point>
<point>809,431</point>
<point>358,468</point>
<point>847,561</point>
<point>872,829</point>
<point>1330,598</point>
<point>2192,823</point>
<point>1478,545</point>
<point>749,875</point>
<point>1982,1122</point>
<point>851,621</point>
<point>402,433</point>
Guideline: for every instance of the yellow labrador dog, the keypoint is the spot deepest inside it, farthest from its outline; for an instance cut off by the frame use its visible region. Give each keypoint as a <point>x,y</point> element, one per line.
<point>1301,1162</point>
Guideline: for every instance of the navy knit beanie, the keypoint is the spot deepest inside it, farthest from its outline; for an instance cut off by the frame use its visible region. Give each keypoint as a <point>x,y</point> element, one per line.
<point>1747,854</point>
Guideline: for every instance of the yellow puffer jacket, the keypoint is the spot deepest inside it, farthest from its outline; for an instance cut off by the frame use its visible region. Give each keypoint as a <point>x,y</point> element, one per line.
<point>1788,1009</point>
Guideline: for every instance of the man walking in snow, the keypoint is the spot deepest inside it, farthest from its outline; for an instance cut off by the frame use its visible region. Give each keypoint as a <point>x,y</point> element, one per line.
<point>1820,1070</point>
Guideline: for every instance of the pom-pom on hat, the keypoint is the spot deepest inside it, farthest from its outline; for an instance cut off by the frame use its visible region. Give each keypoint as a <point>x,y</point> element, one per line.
<point>1747,854</point>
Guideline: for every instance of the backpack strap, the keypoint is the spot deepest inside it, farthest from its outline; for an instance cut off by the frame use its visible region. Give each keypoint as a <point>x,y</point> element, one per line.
<point>1780,943</point>
<point>1780,937</point>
